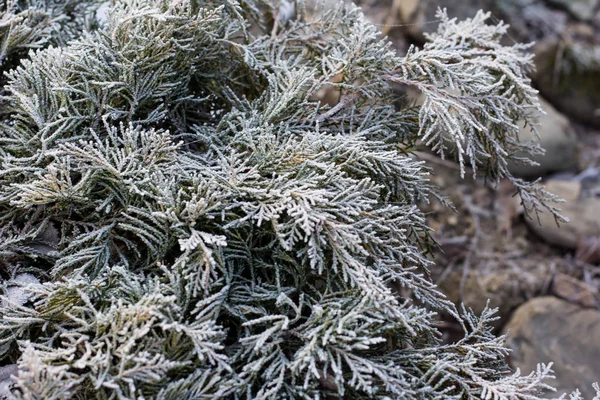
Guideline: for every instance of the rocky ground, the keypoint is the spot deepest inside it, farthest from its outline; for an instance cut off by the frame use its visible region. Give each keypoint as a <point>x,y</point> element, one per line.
<point>544,279</point>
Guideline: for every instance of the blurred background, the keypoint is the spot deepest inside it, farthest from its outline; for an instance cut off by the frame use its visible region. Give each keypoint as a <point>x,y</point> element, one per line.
<point>544,279</point>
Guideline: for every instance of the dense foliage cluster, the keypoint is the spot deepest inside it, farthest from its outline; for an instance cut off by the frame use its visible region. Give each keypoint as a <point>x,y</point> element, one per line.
<point>181,218</point>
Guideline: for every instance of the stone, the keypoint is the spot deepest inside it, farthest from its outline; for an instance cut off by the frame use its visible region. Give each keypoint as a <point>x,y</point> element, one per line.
<point>504,288</point>
<point>575,92</point>
<point>557,138</point>
<point>547,329</point>
<point>583,10</point>
<point>582,212</point>
<point>575,291</point>
<point>532,21</point>
<point>573,87</point>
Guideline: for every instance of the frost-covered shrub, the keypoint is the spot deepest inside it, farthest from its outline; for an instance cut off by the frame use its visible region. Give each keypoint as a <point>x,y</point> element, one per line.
<point>204,228</point>
<point>30,24</point>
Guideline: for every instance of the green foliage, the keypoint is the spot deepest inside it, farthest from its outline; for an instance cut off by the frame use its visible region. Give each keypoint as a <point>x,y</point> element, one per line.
<point>205,228</point>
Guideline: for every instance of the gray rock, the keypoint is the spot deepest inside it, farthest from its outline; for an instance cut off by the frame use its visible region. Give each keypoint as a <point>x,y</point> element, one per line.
<point>547,329</point>
<point>532,21</point>
<point>558,139</point>
<point>575,291</point>
<point>573,87</point>
<point>574,91</point>
<point>505,289</point>
<point>583,214</point>
<point>583,10</point>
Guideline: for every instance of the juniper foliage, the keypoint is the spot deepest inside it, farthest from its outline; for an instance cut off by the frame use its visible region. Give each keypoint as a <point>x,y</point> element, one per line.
<point>204,228</point>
